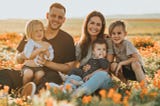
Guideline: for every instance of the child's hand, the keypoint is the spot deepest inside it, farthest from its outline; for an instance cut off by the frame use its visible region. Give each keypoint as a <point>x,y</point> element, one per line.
<point>46,55</point>
<point>86,67</point>
<point>41,60</point>
<point>87,77</point>
<point>77,83</point>
<point>119,67</point>
<point>42,49</point>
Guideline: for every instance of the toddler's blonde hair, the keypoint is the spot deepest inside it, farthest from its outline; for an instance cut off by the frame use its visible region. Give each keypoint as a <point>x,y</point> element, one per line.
<point>30,27</point>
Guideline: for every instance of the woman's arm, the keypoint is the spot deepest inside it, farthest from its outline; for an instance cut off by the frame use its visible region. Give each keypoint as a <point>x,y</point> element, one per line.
<point>110,57</point>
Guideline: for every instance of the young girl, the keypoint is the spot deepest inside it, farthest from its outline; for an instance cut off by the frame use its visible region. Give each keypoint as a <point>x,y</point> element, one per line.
<point>129,64</point>
<point>35,47</point>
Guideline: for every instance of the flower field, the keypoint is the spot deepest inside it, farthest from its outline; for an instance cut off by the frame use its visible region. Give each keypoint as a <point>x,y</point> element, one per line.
<point>133,94</point>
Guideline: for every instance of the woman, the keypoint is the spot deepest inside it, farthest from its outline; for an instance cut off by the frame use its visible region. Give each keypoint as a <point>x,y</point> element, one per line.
<point>94,27</point>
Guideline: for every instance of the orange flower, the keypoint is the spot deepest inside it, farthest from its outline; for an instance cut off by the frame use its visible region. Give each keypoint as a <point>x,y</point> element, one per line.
<point>55,90</point>
<point>158,72</point>
<point>47,85</point>
<point>68,87</point>
<point>19,101</point>
<point>125,101</point>
<point>49,102</point>
<point>153,94</point>
<point>136,86</point>
<point>116,97</point>
<point>143,92</point>
<point>159,84</point>
<point>110,93</point>
<point>103,93</point>
<point>142,84</point>
<point>86,99</point>
<point>155,82</point>
<point>128,93</point>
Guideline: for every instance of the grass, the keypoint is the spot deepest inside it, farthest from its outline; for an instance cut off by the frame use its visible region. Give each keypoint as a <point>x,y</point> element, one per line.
<point>74,26</point>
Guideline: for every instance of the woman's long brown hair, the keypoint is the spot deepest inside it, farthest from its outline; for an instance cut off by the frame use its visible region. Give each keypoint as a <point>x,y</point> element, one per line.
<point>85,40</point>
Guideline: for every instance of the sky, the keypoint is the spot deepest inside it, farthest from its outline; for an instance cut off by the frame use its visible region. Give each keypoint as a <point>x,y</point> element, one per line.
<point>30,9</point>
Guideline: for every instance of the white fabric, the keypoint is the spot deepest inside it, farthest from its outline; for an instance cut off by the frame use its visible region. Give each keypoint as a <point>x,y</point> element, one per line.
<point>31,45</point>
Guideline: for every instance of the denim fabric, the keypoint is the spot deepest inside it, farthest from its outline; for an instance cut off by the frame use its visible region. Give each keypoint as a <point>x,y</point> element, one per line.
<point>69,78</point>
<point>72,77</point>
<point>99,80</point>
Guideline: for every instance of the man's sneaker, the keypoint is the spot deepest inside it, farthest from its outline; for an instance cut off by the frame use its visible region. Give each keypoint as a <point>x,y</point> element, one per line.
<point>28,90</point>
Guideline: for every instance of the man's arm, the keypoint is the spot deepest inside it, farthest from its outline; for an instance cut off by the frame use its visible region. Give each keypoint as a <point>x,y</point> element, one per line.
<point>64,68</point>
<point>20,58</point>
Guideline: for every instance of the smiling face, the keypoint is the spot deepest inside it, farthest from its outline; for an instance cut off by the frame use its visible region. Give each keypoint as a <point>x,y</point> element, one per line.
<point>37,32</point>
<point>118,34</point>
<point>99,50</point>
<point>56,18</point>
<point>94,26</point>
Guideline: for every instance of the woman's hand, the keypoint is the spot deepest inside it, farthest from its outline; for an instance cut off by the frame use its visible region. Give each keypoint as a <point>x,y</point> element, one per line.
<point>86,67</point>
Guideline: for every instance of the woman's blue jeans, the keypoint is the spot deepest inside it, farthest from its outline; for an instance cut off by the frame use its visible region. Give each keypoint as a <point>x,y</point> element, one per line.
<point>99,80</point>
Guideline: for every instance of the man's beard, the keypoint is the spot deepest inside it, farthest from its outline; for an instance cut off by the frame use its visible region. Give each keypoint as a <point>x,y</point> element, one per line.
<point>53,28</point>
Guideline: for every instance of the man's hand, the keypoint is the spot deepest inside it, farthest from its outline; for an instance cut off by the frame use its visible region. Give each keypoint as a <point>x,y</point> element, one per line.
<point>20,58</point>
<point>41,60</point>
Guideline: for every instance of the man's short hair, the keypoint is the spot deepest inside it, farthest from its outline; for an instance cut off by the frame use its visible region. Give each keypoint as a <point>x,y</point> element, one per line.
<point>57,5</point>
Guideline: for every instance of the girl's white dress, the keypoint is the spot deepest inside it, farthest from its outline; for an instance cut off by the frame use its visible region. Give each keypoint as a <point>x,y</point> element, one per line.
<point>31,45</point>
